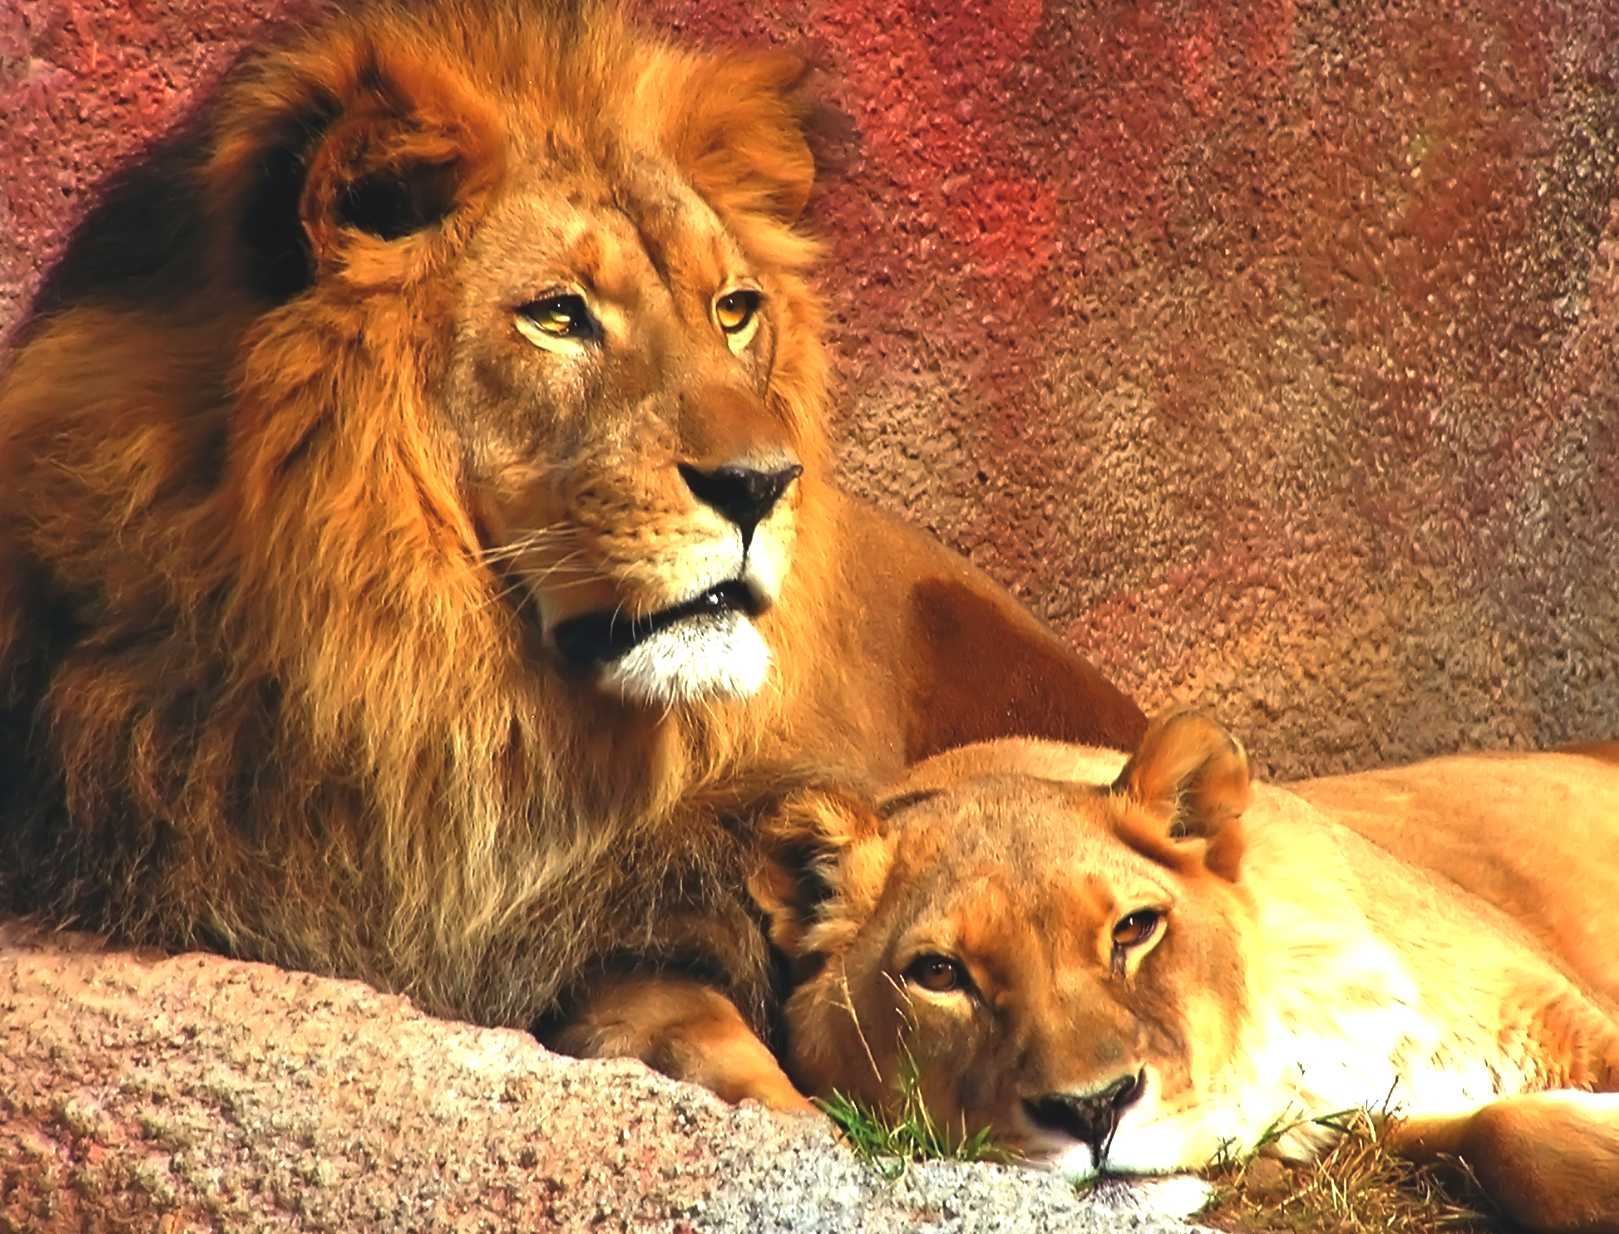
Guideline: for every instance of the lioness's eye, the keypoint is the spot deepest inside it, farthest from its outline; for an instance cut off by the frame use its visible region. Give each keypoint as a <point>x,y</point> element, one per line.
<point>937,973</point>
<point>560,316</point>
<point>735,310</point>
<point>1136,928</point>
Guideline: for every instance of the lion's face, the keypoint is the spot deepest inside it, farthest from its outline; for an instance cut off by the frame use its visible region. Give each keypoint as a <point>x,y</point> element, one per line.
<point>613,380</point>
<point>583,243</point>
<point>1060,957</point>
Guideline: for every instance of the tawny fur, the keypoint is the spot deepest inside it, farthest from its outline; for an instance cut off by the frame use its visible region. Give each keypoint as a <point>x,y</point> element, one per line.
<point>277,477</point>
<point>1430,941</point>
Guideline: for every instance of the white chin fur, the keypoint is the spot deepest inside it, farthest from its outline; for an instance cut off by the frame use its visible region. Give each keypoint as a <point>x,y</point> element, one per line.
<point>1175,1197</point>
<point>713,655</point>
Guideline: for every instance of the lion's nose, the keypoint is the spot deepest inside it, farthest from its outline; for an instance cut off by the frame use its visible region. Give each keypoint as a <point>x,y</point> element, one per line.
<point>1087,1117</point>
<point>745,495</point>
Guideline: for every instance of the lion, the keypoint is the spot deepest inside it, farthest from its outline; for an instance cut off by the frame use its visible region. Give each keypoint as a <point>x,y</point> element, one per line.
<point>1146,965</point>
<point>419,554</point>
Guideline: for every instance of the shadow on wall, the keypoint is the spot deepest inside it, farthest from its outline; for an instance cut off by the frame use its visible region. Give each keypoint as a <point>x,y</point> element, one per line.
<point>1270,350</point>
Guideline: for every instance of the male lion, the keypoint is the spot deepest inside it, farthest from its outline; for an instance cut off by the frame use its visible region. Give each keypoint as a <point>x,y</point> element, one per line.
<point>1142,968</point>
<point>417,549</point>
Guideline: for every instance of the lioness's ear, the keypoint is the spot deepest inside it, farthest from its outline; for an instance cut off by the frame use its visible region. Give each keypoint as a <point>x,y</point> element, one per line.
<point>1193,774</point>
<point>333,154</point>
<point>737,127</point>
<point>823,862</point>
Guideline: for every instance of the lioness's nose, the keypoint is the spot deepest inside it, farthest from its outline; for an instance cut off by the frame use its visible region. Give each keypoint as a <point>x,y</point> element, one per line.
<point>745,495</point>
<point>1088,1117</point>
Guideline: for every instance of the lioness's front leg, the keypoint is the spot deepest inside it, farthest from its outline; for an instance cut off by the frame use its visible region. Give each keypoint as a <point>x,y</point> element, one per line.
<point>1550,1160</point>
<point>683,1028</point>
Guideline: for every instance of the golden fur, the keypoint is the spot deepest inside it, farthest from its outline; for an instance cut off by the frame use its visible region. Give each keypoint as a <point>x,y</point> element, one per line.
<point>302,471</point>
<point>1156,964</point>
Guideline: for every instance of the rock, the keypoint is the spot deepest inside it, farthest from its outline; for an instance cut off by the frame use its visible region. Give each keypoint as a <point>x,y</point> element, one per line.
<point>1266,1180</point>
<point>141,1092</point>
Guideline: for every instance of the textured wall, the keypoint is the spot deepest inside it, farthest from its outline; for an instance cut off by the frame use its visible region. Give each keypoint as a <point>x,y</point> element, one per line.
<point>1268,348</point>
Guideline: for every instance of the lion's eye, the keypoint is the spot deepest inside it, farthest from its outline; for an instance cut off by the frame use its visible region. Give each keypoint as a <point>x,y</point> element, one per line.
<point>563,316</point>
<point>1135,928</point>
<point>737,314</point>
<point>736,310</point>
<point>937,973</point>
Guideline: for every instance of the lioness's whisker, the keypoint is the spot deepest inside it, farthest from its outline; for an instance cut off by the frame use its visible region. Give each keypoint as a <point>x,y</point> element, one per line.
<point>859,1029</point>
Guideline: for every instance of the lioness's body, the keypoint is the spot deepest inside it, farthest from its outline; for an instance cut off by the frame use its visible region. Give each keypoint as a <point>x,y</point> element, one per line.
<point>1429,948</point>
<point>1152,963</point>
<point>419,557</point>
<point>1533,836</point>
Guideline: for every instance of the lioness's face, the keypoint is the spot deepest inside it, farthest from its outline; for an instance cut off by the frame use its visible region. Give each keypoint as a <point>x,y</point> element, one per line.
<point>1059,961</point>
<point>633,472</point>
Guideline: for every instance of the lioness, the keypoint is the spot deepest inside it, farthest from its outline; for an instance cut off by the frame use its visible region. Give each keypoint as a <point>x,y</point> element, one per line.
<point>418,549</point>
<point>1141,966</point>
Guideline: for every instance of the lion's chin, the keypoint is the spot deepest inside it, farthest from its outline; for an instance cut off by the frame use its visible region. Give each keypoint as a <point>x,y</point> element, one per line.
<point>712,655</point>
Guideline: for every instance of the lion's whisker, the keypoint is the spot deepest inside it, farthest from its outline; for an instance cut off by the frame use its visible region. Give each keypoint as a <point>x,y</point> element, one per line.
<point>527,542</point>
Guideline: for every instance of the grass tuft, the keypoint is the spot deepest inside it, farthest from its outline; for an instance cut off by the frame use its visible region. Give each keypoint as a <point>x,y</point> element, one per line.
<point>888,1144</point>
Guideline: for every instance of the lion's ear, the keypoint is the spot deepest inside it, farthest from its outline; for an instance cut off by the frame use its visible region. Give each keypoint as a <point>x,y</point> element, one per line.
<point>738,127</point>
<point>1192,774</point>
<point>333,155</point>
<point>823,861</point>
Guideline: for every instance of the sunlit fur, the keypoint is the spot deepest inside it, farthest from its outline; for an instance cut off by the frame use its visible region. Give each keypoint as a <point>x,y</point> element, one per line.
<point>281,549</point>
<point>1431,941</point>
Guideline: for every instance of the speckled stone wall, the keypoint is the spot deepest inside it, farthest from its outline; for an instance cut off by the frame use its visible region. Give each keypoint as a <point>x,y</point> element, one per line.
<point>1269,348</point>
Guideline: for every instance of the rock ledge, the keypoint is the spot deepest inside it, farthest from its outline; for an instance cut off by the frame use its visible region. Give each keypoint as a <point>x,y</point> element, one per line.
<point>141,1092</point>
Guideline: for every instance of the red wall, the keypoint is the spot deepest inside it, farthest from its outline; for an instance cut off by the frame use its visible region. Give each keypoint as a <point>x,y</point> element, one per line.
<point>1270,349</point>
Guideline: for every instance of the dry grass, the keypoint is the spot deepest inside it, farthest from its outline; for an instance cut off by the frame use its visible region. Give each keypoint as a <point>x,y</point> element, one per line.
<point>1359,1187</point>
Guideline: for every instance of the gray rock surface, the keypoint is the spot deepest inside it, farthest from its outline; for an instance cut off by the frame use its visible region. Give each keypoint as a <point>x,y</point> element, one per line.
<point>190,1093</point>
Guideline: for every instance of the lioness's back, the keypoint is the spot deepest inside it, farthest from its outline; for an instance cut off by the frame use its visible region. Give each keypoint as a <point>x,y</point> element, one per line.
<point>1478,822</point>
